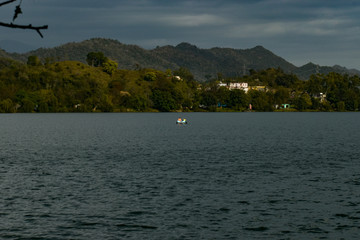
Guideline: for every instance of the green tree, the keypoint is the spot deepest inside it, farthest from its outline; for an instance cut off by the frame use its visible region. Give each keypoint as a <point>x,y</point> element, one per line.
<point>315,85</point>
<point>260,101</point>
<point>184,73</point>
<point>315,103</point>
<point>106,104</point>
<point>33,61</point>
<point>96,59</point>
<point>163,101</point>
<point>303,102</point>
<point>238,100</point>
<point>208,99</point>
<point>28,106</point>
<point>109,66</point>
<point>47,101</point>
<point>26,100</point>
<point>136,102</point>
<point>285,80</point>
<point>223,96</point>
<point>281,95</point>
<point>7,106</point>
<point>150,76</point>
<point>340,106</point>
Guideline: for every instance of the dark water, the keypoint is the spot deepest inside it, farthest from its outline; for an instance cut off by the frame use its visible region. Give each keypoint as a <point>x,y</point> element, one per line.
<point>141,176</point>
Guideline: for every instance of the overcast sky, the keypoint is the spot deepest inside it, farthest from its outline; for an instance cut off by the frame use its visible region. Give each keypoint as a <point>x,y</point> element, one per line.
<point>325,32</point>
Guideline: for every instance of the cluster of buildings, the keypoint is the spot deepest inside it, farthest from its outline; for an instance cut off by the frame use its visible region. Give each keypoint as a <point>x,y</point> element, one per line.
<point>245,87</point>
<point>241,86</point>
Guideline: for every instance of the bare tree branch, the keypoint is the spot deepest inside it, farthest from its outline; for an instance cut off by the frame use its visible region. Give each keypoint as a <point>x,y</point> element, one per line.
<point>16,13</point>
<point>37,29</point>
<point>7,2</point>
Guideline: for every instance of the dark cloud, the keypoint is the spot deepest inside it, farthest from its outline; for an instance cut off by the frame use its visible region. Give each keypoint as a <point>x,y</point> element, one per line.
<point>324,31</point>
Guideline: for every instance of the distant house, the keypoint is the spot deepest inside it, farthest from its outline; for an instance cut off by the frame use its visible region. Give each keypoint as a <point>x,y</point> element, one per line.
<point>221,84</point>
<point>240,86</point>
<point>232,86</point>
<point>178,78</point>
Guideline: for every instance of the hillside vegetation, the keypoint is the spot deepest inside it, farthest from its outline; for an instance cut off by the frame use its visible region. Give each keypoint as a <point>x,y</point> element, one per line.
<point>99,86</point>
<point>204,64</point>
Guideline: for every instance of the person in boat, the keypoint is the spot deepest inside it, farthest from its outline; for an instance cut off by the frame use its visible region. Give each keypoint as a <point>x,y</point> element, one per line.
<point>179,119</point>
<point>184,120</point>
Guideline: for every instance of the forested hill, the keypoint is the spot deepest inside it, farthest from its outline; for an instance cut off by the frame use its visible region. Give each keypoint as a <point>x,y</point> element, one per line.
<point>202,63</point>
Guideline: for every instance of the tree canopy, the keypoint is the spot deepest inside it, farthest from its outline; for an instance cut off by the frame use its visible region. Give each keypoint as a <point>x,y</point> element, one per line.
<point>70,86</point>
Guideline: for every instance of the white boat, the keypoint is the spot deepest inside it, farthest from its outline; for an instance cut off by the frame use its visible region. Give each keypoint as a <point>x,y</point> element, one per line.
<point>181,121</point>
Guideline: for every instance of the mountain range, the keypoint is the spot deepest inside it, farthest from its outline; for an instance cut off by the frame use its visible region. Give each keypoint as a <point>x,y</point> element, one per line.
<point>203,63</point>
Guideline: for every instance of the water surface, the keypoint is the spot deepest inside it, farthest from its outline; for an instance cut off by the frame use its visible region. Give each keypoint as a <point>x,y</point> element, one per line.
<point>141,176</point>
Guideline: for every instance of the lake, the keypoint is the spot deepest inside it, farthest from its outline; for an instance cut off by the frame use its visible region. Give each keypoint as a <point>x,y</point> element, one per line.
<point>141,176</point>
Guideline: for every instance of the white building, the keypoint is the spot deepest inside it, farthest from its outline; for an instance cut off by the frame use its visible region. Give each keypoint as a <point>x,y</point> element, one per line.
<point>231,86</point>
<point>240,86</point>
<point>222,84</point>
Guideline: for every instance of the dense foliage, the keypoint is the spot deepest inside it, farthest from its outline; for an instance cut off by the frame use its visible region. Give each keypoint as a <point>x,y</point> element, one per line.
<point>71,86</point>
<point>204,64</point>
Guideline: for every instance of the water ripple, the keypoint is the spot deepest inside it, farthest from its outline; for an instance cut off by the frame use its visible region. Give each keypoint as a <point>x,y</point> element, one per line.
<point>237,176</point>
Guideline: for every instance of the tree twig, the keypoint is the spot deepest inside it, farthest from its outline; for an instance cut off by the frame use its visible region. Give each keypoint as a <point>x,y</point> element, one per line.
<point>7,2</point>
<point>36,28</point>
<point>16,13</point>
